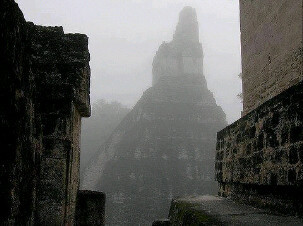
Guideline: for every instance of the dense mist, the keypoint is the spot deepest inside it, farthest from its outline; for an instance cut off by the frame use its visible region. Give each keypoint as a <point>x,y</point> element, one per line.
<point>124,36</point>
<point>151,112</point>
<point>97,129</point>
<point>165,78</point>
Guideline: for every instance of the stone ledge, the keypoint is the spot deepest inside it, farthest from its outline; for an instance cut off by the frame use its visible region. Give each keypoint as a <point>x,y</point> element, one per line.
<point>212,210</point>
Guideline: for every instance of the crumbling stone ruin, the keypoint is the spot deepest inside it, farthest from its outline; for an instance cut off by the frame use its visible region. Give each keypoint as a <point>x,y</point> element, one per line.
<point>165,146</point>
<point>259,158</point>
<point>45,93</point>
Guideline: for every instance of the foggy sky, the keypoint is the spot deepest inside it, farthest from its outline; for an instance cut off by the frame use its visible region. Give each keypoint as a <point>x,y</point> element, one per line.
<point>124,36</point>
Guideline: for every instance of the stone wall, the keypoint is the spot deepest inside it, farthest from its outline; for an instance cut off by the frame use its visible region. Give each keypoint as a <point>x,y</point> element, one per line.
<point>260,157</point>
<point>60,63</point>
<point>20,139</point>
<point>44,93</point>
<point>271,37</point>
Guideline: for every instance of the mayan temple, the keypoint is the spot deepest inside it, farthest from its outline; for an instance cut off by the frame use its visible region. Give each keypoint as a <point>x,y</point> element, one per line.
<point>259,158</point>
<point>165,147</point>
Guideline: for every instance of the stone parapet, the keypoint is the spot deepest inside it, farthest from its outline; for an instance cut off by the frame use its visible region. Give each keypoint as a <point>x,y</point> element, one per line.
<point>211,210</point>
<point>259,158</point>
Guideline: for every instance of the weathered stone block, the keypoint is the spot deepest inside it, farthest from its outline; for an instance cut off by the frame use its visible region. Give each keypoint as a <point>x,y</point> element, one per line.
<point>90,208</point>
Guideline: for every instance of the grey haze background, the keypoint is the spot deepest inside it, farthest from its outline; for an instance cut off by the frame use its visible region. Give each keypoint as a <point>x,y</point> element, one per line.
<point>124,35</point>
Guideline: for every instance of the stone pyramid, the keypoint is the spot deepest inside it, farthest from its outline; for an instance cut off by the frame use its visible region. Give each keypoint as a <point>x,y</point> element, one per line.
<point>165,147</point>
